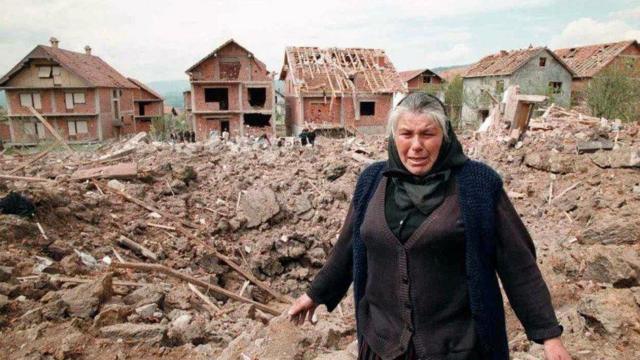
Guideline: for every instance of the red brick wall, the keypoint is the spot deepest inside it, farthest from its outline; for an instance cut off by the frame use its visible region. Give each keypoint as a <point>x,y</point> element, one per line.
<point>316,110</point>
<point>60,125</point>
<point>250,69</point>
<point>155,108</point>
<point>53,102</point>
<point>201,105</point>
<point>106,115</point>
<point>142,125</point>
<point>5,132</point>
<point>268,105</point>
<point>204,125</point>
<point>383,105</point>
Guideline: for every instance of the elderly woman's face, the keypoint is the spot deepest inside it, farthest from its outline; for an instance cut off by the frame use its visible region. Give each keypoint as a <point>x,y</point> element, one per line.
<point>418,139</point>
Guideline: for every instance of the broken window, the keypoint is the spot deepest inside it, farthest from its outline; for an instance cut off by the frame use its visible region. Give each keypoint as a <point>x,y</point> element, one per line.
<point>44,72</point>
<point>77,127</point>
<point>542,61</point>
<point>367,108</point>
<point>555,87</point>
<point>257,120</point>
<point>141,109</point>
<point>31,99</point>
<point>499,86</point>
<point>68,100</point>
<point>257,97</point>
<point>219,95</point>
<point>426,79</point>
<point>78,98</point>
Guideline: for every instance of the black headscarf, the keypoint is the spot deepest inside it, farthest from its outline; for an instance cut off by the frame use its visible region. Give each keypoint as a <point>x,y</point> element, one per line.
<point>410,199</point>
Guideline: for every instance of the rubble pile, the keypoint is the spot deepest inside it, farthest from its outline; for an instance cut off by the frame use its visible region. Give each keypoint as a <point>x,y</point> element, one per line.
<point>141,249</point>
<point>274,213</point>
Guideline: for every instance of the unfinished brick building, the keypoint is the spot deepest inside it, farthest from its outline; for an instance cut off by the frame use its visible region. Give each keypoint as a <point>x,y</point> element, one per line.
<point>231,90</point>
<point>416,80</point>
<point>589,61</point>
<point>83,97</point>
<point>148,105</point>
<point>335,88</point>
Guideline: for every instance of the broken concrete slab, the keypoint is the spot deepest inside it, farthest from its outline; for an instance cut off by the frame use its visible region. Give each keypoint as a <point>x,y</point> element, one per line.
<point>614,231</point>
<point>593,146</point>
<point>551,162</point>
<point>611,312</point>
<point>150,294</point>
<point>119,171</point>
<point>258,205</point>
<point>84,300</point>
<point>623,158</point>
<point>148,333</point>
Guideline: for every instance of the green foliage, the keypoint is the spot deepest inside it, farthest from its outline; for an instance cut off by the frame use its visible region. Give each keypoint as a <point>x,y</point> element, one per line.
<point>432,89</point>
<point>454,98</point>
<point>614,94</point>
<point>162,126</point>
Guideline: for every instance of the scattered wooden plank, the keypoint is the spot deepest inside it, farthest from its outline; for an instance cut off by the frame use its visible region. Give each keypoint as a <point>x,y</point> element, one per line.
<point>34,159</point>
<point>50,128</point>
<point>165,227</point>
<point>23,178</point>
<point>137,248</point>
<point>118,171</point>
<point>190,279</point>
<point>213,309</point>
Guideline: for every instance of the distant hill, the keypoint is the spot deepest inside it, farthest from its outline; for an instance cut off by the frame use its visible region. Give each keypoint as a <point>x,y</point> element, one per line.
<point>171,90</point>
<point>442,69</point>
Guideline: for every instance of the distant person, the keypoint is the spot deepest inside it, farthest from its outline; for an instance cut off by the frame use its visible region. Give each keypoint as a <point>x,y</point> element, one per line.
<point>426,237</point>
<point>193,136</point>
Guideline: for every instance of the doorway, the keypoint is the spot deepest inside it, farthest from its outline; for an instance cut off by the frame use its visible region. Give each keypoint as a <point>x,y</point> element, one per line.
<point>224,126</point>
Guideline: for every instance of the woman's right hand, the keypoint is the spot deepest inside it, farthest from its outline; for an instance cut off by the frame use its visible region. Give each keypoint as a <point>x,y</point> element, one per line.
<point>301,309</point>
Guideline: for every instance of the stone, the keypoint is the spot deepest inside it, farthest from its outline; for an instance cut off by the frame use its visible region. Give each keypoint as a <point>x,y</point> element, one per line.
<point>551,162</point>
<point>334,171</point>
<point>187,329</point>
<point>613,231</point>
<point>148,333</point>
<point>622,158</point>
<point>111,314</point>
<point>611,312</point>
<point>258,205</point>
<point>84,300</point>
<point>116,185</point>
<point>4,301</point>
<point>186,174</point>
<point>593,146</point>
<point>612,264</point>
<point>149,294</point>
<point>55,310</point>
<point>15,229</point>
<point>302,204</point>
<point>147,311</point>
<point>6,273</point>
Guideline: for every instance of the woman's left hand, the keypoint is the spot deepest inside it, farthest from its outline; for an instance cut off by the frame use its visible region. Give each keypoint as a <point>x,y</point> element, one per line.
<point>554,350</point>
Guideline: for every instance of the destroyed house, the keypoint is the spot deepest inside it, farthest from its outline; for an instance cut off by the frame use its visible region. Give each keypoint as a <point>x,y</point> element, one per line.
<point>537,71</point>
<point>333,88</point>
<point>81,96</point>
<point>420,79</point>
<point>589,61</point>
<point>231,90</point>
<point>148,105</point>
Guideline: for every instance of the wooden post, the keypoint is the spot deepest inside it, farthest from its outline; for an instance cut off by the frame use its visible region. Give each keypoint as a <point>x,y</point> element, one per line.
<point>49,127</point>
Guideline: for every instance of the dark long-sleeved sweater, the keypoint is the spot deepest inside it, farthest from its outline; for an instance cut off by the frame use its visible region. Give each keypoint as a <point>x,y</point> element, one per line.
<point>421,292</point>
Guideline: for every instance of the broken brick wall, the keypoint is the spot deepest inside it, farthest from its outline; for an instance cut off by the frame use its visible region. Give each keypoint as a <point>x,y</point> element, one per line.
<point>206,123</point>
<point>231,63</point>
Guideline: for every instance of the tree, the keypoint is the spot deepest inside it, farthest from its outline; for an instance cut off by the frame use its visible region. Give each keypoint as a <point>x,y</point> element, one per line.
<point>453,99</point>
<point>614,94</point>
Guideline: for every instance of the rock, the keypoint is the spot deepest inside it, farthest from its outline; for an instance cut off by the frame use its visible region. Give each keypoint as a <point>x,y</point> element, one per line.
<point>147,311</point>
<point>302,204</point>
<point>623,158</point>
<point>615,265</point>
<point>55,310</point>
<point>150,294</point>
<point>611,312</point>
<point>116,185</point>
<point>551,162</point>
<point>6,273</point>
<point>334,171</point>
<point>15,229</point>
<point>4,301</point>
<point>186,174</point>
<point>258,206</point>
<point>111,314</point>
<point>9,289</point>
<point>148,333</point>
<point>593,146</point>
<point>59,249</point>
<point>186,329</point>
<point>614,231</point>
<point>84,300</point>
<point>72,265</point>
<point>179,298</point>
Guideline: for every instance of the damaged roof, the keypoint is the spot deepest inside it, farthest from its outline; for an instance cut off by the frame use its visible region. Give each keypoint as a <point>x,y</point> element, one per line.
<point>587,61</point>
<point>146,88</point>
<point>338,71</point>
<point>410,74</point>
<point>507,62</point>
<point>225,44</point>
<point>95,71</point>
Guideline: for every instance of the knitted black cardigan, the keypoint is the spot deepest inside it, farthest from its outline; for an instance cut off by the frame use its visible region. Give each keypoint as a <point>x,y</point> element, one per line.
<point>479,188</point>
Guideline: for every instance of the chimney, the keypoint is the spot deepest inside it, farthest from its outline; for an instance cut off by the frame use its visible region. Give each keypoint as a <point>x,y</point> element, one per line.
<point>87,50</point>
<point>54,42</point>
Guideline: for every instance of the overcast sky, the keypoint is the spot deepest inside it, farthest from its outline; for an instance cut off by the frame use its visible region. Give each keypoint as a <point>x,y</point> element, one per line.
<point>160,39</point>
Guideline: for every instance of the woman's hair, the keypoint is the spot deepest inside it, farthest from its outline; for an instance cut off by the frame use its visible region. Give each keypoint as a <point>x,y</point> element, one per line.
<point>419,103</point>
